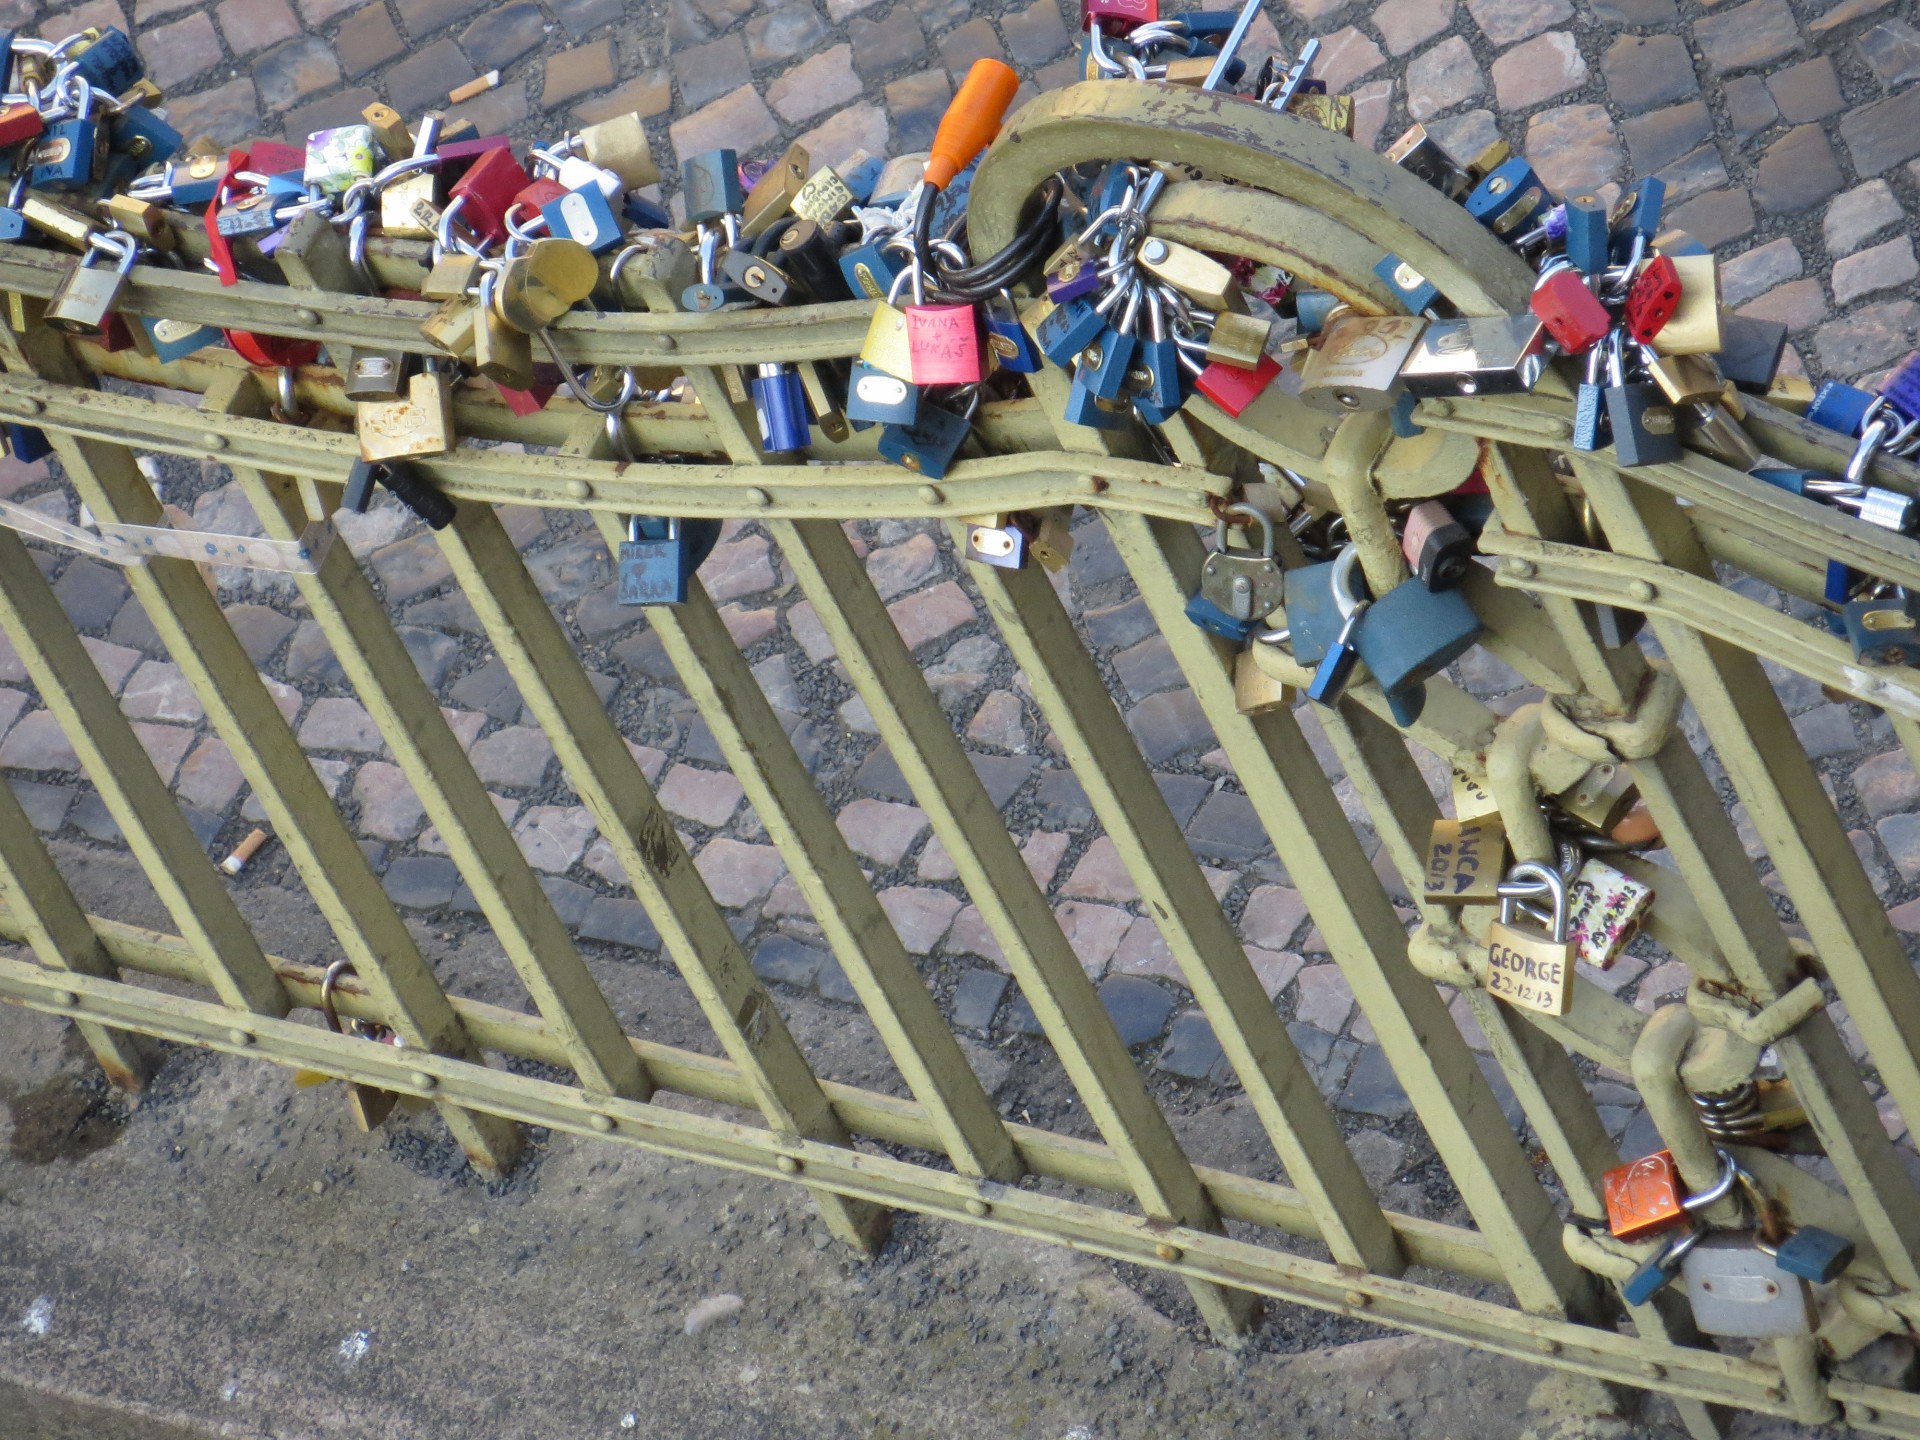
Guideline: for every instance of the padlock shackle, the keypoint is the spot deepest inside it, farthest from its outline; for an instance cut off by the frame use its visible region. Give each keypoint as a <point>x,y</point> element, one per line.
<point>1530,878</point>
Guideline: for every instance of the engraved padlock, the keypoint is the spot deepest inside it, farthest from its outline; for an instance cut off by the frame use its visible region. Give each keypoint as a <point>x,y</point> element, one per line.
<point>1357,365</point>
<point>1646,1196</point>
<point>1606,908</point>
<point>89,293</point>
<point>656,562</point>
<point>1529,966</point>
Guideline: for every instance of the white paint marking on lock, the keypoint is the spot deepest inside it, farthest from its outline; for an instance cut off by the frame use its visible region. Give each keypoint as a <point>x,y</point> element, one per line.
<point>137,544</point>
<point>39,1317</point>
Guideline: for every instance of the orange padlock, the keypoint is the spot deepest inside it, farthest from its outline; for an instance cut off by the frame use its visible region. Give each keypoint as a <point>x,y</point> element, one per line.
<point>1644,1197</point>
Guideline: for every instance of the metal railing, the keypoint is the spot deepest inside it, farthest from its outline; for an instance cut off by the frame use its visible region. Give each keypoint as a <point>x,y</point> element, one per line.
<point>1267,187</point>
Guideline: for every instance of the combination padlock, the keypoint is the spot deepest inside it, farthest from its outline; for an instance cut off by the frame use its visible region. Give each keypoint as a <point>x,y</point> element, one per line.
<point>1238,588</point>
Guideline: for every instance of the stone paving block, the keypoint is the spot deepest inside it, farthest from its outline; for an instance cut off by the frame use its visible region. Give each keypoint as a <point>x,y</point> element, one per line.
<point>1442,77</point>
<point>885,43</point>
<point>916,103</point>
<point>1033,35</point>
<point>46,805</point>
<point>619,922</point>
<point>158,691</point>
<point>1407,24</point>
<point>1892,50</point>
<point>1325,999</point>
<point>818,83</point>
<point>1693,174</point>
<point>1756,33</point>
<point>1887,266</point>
<point>1796,171</point>
<point>1346,56</point>
<point>421,82</point>
<point>1647,70</point>
<point>91,593</point>
<point>1838,16</point>
<point>1750,107</point>
<point>1273,917</point>
<point>1541,69</point>
<point>881,830</point>
<point>1139,1008</point>
<point>1506,22</point>
<point>1758,270</point>
<point>422,882</point>
<point>517,757</point>
<point>1883,134</point>
<point>780,34</point>
<point>503,35</point>
<point>648,94</point>
<point>1000,722</point>
<point>707,797</point>
<point>1797,304</point>
<point>1574,147</point>
<point>294,71</point>
<point>738,874</point>
<point>1169,724</point>
<point>1873,336</point>
<point>1807,91</point>
<point>1118,625</point>
<point>251,25</point>
<point>931,614</point>
<point>1374,1089</point>
<point>13,704</point>
<point>423,17</point>
<point>920,915</point>
<point>978,995</point>
<point>336,723</point>
<point>1192,1051</point>
<point>1227,826</point>
<point>1717,217</point>
<point>36,742</point>
<point>846,133</point>
<point>1859,214</point>
<point>366,40</point>
<point>972,41</point>
<point>166,746</point>
<point>180,51</point>
<point>1887,785</point>
<point>1617,13</point>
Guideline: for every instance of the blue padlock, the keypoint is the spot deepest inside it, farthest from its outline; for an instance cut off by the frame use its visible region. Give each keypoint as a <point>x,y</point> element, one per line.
<point>1165,392</point>
<point>196,182</point>
<point>1311,308</point>
<point>177,339</point>
<point>1104,364</point>
<point>109,63</point>
<point>1642,220</point>
<point>1412,289</point>
<point>1815,1254</point>
<point>860,174</point>
<point>142,138</point>
<point>1883,631</point>
<point>1411,634</point>
<point>27,443</point>
<point>1839,406</point>
<point>586,217</point>
<point>870,271</point>
<point>1508,197</point>
<point>876,398</point>
<point>1657,1271</point>
<point>643,212</point>
<point>1067,330</point>
<point>656,563</point>
<point>1794,482</point>
<point>1012,346</point>
<point>65,156</point>
<point>926,447</point>
<point>1401,416</point>
<point>1589,238</point>
<point>1086,408</point>
<point>13,225</point>
<point>710,183</point>
<point>780,401</point>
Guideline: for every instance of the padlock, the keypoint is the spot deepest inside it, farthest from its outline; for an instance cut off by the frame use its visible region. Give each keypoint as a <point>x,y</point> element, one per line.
<point>1884,631</point>
<point>1466,861</point>
<point>1052,536</point>
<point>1414,291</point>
<point>656,563</point>
<point>1083,407</point>
<point>780,403</point>
<point>1117,17</point>
<point>136,139</point>
<point>1239,340</point>
<point>1418,153</point>
<point>88,294</point>
<point>454,326</point>
<point>1590,430</point>
<point>1007,338</point>
<point>1410,635</point>
<point>368,1104</point>
<point>177,339</point>
<point>1239,588</point>
<point>1836,406</point>
<point>1342,658</point>
<point>1066,330</point>
<point>541,192</point>
<point>1737,1289</point>
<point>19,123</point>
<point>1815,1254</point>
<point>109,62</point>
<point>1684,379</point>
<point>1654,296</point>
<point>1072,278</point>
<point>1600,798</point>
<point>338,157</point>
<point>927,446</point>
<point>586,217</point>
<point>771,198</point>
<point>1696,326</point>
<point>1646,1196</point>
<point>1357,365</point>
<point>1001,542</point>
<point>1508,197</point>
<point>1255,692</point>
<point>620,145</point>
<point>416,493</point>
<point>66,156</point>
<point>1640,219</point>
<point>27,443</point>
<point>710,184</point>
<point>249,215</point>
<point>1709,427</point>
<point>1644,428</point>
<point>1605,909</point>
<point>870,271</point>
<point>1491,355</point>
<point>374,374</point>
<point>537,288</point>
<point>808,258</point>
<point>1329,112</point>
<point>1658,1270</point>
<point>943,344</point>
<point>1589,234</point>
<point>1232,388</point>
<point>824,198</point>
<point>1104,365</point>
<point>501,353</point>
<point>875,397</point>
<point>1198,276</point>
<point>421,424</point>
<point>1569,310</point>
<point>886,346</point>
<point>1526,966</point>
<point>1314,308</point>
<point>577,173</point>
<point>410,206</point>
<point>486,192</point>
<point>1750,351</point>
<point>1438,548</point>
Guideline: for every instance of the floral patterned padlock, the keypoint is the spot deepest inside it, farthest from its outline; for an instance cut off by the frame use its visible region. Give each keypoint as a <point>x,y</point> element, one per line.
<point>1605,909</point>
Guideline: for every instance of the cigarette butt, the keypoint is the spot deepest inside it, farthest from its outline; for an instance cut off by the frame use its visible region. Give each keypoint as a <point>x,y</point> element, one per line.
<point>477,86</point>
<point>243,852</point>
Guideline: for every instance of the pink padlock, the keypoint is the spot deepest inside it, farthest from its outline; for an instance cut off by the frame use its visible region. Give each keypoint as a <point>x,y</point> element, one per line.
<point>944,341</point>
<point>1117,17</point>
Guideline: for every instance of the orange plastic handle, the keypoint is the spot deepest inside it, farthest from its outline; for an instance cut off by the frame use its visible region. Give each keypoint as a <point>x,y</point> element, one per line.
<point>972,120</point>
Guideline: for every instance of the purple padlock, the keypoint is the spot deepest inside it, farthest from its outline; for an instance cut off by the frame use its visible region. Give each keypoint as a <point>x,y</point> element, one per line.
<point>1072,278</point>
<point>1902,387</point>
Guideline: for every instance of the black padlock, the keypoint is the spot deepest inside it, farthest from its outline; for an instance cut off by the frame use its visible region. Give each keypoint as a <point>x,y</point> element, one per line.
<point>807,254</point>
<point>417,493</point>
<point>1644,428</point>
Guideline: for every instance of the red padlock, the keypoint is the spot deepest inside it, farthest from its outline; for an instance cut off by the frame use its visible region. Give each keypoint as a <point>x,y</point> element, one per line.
<point>487,191</point>
<point>1644,1197</point>
<point>543,191</point>
<point>271,157</point>
<point>457,155</point>
<point>272,350</point>
<point>1234,389</point>
<point>1575,319</point>
<point>1117,17</point>
<point>525,402</point>
<point>1653,299</point>
<point>944,343</point>
<point>19,123</point>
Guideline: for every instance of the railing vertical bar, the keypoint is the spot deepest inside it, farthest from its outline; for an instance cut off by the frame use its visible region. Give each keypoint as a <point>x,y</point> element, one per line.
<point>360,630</point>
<point>1318,846</point>
<point>51,921</point>
<point>1074,697</point>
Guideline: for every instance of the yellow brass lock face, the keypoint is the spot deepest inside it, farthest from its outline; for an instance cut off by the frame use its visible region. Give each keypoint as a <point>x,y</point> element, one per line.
<point>1695,326</point>
<point>824,198</point>
<point>409,208</point>
<point>1188,271</point>
<point>887,346</point>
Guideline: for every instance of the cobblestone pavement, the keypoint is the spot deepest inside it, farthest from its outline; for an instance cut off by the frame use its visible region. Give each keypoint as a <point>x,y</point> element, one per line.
<point>1786,130</point>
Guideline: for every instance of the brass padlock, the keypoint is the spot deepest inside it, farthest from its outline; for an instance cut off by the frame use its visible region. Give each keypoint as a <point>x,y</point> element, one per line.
<point>1255,692</point>
<point>621,145</point>
<point>1529,966</point>
<point>146,222</point>
<point>1188,271</point>
<point>1330,112</point>
<point>389,128</point>
<point>1466,860</point>
<point>824,198</point>
<point>1683,379</point>
<point>89,292</point>
<point>537,288</point>
<point>70,227</point>
<point>454,325</point>
<point>1357,365</point>
<point>771,198</point>
<point>1052,537</point>
<point>887,346</point>
<point>452,276</point>
<point>500,352</point>
<point>1238,339</point>
<point>1600,798</point>
<point>410,206</point>
<point>421,424</point>
<point>1694,328</point>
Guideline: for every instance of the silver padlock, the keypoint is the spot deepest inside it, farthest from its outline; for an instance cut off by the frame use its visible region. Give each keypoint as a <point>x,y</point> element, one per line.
<point>1247,584</point>
<point>375,375</point>
<point>89,293</point>
<point>1737,1289</point>
<point>1496,355</point>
